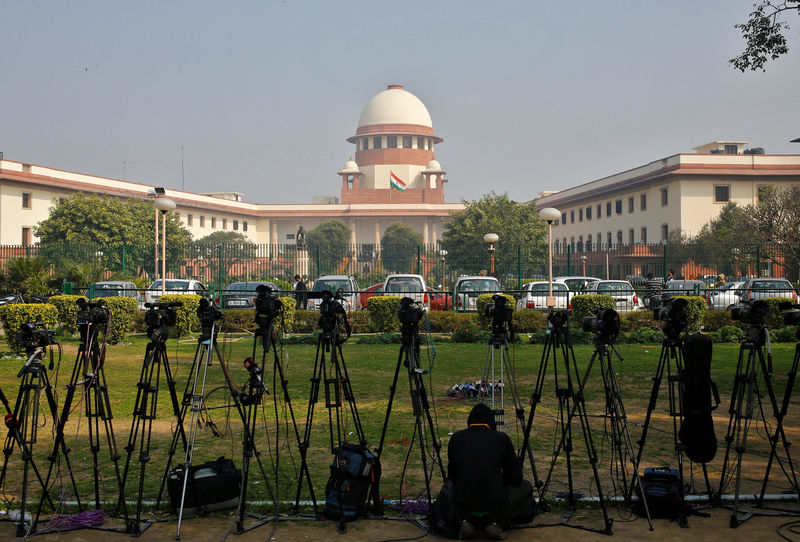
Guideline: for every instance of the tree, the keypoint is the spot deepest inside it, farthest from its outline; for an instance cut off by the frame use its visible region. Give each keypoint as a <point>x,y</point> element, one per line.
<point>220,251</point>
<point>330,243</point>
<point>96,228</point>
<point>399,247</point>
<point>764,34</point>
<point>517,225</point>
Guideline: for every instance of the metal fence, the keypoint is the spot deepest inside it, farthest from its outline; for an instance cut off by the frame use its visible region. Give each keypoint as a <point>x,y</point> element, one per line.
<point>219,265</point>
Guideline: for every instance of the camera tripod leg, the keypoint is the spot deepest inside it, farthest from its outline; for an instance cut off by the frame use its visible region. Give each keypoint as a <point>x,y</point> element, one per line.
<point>316,377</point>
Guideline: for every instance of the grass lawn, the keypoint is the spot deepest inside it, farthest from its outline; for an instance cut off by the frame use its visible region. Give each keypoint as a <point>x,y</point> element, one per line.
<point>371,368</point>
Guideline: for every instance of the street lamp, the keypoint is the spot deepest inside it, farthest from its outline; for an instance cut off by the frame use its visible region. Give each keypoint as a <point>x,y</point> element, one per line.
<point>583,258</point>
<point>163,205</point>
<point>550,215</point>
<point>491,238</point>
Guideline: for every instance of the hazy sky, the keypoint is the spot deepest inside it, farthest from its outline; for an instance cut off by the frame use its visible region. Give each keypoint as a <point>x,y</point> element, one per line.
<point>528,95</point>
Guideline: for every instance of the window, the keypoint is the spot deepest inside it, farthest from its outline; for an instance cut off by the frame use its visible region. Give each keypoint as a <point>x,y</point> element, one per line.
<point>599,214</point>
<point>391,142</point>
<point>430,144</point>
<point>244,225</point>
<point>580,243</point>
<point>630,204</point>
<point>643,202</point>
<point>406,142</point>
<point>630,235</point>
<point>376,142</point>
<point>563,218</point>
<point>608,238</point>
<point>644,236</point>
<point>589,243</point>
<point>26,200</point>
<point>722,193</point>
<point>571,216</point>
<point>224,223</point>
<point>572,243</point>
<point>664,232</point>
<point>189,220</point>
<point>235,225</point>
<point>420,142</point>
<point>619,237</point>
<point>664,197</point>
<point>618,206</point>
<point>589,213</point>
<point>580,215</point>
<point>365,144</point>
<point>731,149</point>
<point>608,208</point>
<point>598,238</point>
<point>213,222</point>
<point>202,221</point>
<point>26,236</point>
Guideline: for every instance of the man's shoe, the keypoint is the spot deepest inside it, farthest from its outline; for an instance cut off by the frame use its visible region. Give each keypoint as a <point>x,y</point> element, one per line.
<point>467,531</point>
<point>495,532</point>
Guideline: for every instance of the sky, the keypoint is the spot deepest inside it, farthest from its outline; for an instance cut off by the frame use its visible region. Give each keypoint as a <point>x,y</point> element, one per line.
<point>260,96</point>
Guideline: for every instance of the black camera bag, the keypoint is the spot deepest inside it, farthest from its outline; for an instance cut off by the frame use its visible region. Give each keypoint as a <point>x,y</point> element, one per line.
<point>355,475</point>
<point>661,488</point>
<point>214,485</point>
<point>697,425</point>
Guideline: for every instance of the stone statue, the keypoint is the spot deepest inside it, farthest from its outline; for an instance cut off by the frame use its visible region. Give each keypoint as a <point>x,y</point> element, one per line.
<point>300,238</point>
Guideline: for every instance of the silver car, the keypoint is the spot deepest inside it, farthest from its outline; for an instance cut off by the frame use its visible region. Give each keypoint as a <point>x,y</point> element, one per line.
<point>621,290</point>
<point>726,296</point>
<point>534,295</point>
<point>763,288</point>
<point>467,290</point>
<point>344,284</point>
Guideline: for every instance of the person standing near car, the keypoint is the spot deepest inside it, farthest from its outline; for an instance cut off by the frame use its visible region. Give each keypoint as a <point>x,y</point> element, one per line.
<point>652,290</point>
<point>299,288</point>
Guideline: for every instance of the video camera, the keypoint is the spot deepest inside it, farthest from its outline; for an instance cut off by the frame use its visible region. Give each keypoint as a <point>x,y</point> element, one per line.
<point>409,314</point>
<point>753,312</point>
<point>331,311</point>
<point>91,312</point>
<point>33,335</point>
<point>605,324</point>
<point>268,306</point>
<point>159,317</point>
<point>208,313</point>
<point>558,317</point>
<point>792,317</point>
<point>673,313</point>
<point>501,315</point>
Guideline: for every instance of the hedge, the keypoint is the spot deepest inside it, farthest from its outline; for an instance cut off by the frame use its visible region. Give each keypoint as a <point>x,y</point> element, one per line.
<point>67,308</point>
<point>123,311</point>
<point>13,316</point>
<point>383,313</point>
<point>695,311</point>
<point>187,320</point>
<point>586,305</point>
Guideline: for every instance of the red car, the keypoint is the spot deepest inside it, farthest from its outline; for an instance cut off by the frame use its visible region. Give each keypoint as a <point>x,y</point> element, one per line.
<point>440,301</point>
<point>369,292</point>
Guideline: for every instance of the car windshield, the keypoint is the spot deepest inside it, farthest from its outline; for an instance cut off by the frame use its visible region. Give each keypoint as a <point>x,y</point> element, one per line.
<point>404,284</point>
<point>771,285</point>
<point>615,287</point>
<point>543,287</point>
<point>684,286</point>
<point>107,287</point>
<point>478,285</point>
<point>576,285</point>
<point>331,285</point>
<point>171,285</point>
<point>251,286</point>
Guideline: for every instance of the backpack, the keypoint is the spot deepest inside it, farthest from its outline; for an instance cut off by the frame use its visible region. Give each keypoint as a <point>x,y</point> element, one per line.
<point>661,488</point>
<point>214,485</point>
<point>355,476</point>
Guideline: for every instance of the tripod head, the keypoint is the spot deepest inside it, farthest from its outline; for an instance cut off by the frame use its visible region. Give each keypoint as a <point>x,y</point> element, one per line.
<point>267,308</point>
<point>208,313</point>
<point>501,319</point>
<point>332,316</point>
<point>159,317</point>
<point>604,324</point>
<point>93,316</point>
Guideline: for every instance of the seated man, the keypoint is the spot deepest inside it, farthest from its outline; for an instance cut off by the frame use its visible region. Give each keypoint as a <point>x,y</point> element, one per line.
<point>486,477</point>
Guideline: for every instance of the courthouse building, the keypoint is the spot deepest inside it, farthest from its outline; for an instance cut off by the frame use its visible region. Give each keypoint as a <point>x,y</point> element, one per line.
<point>392,177</point>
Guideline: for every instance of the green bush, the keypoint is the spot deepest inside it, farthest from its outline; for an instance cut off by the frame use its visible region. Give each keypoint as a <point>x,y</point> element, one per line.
<point>13,316</point>
<point>695,311</point>
<point>239,320</point>
<point>774,318</point>
<point>285,323</point>
<point>67,308</point>
<point>577,336</point>
<point>187,320</point>
<point>787,334</point>
<point>447,321</point>
<point>360,322</point>
<point>716,320</point>
<point>482,300</point>
<point>631,321</point>
<point>305,321</point>
<point>645,335</point>
<point>585,305</point>
<point>381,338</point>
<point>529,321</point>
<point>123,311</point>
<point>727,334</point>
<point>469,331</point>
<point>383,312</point>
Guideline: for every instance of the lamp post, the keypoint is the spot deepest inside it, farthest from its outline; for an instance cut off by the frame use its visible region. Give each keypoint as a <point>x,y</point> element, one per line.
<point>550,215</point>
<point>583,259</point>
<point>443,253</point>
<point>163,205</point>
<point>491,238</point>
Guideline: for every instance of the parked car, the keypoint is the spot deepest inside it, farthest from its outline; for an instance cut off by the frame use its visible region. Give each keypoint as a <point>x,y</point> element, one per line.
<point>726,296</point>
<point>440,301</point>
<point>576,283</point>
<point>677,288</point>
<point>369,292</point>
<point>467,289</point>
<point>346,284</point>
<point>115,288</point>
<point>407,285</point>
<point>762,288</point>
<point>242,295</point>
<point>174,287</point>
<point>621,290</point>
<point>534,295</point>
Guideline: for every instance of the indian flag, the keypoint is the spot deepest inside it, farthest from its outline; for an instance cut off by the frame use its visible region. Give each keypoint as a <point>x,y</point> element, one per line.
<point>396,183</point>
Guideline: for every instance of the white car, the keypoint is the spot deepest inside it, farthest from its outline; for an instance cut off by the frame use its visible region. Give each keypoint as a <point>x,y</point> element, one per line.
<point>726,296</point>
<point>468,288</point>
<point>174,287</point>
<point>576,283</point>
<point>621,290</point>
<point>534,295</point>
<point>344,284</point>
<point>407,285</point>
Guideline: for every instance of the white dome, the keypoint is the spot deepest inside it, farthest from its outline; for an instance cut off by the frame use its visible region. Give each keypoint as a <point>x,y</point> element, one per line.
<point>350,167</point>
<point>433,165</point>
<point>395,106</point>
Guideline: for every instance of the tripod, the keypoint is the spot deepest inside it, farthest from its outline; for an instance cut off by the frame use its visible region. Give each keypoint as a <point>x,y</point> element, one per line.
<point>23,421</point>
<point>570,401</point>
<point>751,367</point>
<point>331,370</point>
<point>410,315</point>
<point>158,318</point>
<point>498,345</point>
<point>89,372</point>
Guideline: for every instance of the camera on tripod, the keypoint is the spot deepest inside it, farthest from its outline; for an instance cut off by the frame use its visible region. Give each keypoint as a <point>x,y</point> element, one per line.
<point>753,312</point>
<point>409,314</point>
<point>331,311</point>
<point>268,306</point>
<point>159,317</point>
<point>673,313</point>
<point>208,314</point>
<point>792,316</point>
<point>499,312</point>
<point>91,312</point>
<point>605,324</point>
<point>33,335</point>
